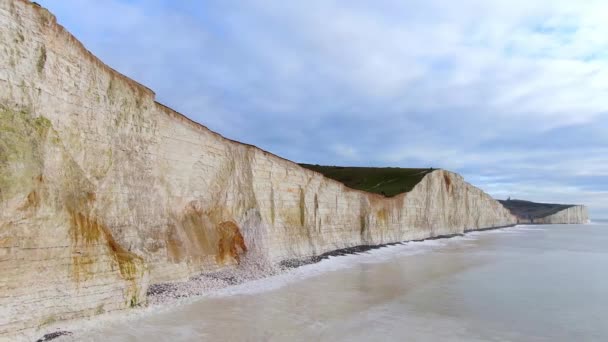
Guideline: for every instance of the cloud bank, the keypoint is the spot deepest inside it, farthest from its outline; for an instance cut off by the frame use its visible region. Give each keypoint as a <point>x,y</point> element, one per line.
<point>512,94</point>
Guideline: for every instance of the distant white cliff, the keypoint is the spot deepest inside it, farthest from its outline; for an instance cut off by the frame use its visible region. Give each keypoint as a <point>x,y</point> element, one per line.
<point>547,213</point>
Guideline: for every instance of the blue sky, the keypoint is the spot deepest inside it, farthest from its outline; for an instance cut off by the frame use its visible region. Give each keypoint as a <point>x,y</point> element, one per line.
<point>511,94</point>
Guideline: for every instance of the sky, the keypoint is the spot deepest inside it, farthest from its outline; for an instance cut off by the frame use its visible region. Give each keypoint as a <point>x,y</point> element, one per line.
<point>512,94</point>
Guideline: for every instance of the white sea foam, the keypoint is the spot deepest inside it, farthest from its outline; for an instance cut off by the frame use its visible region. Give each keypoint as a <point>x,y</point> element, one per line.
<point>529,227</point>
<point>332,263</point>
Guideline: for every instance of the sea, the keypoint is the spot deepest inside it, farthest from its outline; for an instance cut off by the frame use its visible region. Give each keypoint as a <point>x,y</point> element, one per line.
<point>525,283</point>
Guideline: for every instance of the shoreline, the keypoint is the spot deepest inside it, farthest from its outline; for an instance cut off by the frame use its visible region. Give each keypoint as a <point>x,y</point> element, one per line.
<point>161,292</point>
<point>176,294</point>
<point>294,263</point>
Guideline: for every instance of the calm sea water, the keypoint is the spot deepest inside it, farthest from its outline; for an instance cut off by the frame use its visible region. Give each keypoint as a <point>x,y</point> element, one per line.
<point>529,283</point>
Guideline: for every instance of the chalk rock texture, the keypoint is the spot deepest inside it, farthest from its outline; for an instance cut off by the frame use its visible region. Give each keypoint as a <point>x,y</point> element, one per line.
<point>576,214</point>
<point>104,191</point>
<point>546,213</point>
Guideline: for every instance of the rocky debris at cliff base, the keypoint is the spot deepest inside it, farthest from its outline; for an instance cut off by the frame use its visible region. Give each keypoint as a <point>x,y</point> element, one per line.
<point>251,268</point>
<point>246,271</point>
<point>53,335</point>
<point>294,263</point>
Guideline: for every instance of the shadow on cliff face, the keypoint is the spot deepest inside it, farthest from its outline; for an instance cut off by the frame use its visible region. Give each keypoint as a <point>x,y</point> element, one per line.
<point>526,210</point>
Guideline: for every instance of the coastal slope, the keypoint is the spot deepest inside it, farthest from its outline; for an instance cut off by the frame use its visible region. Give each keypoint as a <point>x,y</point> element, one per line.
<point>104,191</point>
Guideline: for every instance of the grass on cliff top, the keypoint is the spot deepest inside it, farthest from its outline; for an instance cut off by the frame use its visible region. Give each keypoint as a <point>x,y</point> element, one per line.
<point>387,181</point>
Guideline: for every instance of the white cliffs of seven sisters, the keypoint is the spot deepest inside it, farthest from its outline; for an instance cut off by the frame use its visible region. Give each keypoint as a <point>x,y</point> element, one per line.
<point>104,191</point>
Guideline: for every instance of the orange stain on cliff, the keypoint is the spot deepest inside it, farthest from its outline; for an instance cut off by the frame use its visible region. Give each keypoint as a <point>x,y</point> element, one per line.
<point>128,263</point>
<point>448,182</point>
<point>91,196</point>
<point>196,236</point>
<point>382,216</point>
<point>86,234</point>
<point>192,236</point>
<point>32,201</point>
<point>175,247</point>
<point>84,230</point>
<point>231,243</point>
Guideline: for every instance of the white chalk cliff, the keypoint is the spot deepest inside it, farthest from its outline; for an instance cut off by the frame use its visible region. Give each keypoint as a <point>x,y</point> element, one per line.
<point>572,215</point>
<point>104,191</point>
<point>546,213</point>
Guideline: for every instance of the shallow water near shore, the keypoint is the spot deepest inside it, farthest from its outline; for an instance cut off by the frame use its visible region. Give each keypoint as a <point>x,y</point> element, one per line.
<point>528,283</point>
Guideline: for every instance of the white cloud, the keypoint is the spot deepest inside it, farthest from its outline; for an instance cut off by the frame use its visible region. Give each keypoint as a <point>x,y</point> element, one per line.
<point>345,152</point>
<point>412,83</point>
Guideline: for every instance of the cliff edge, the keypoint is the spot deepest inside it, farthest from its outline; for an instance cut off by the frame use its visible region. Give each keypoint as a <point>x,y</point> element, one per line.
<point>104,191</point>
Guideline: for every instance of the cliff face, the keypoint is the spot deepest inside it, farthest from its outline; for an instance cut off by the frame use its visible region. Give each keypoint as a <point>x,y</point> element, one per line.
<point>546,213</point>
<point>576,214</point>
<point>103,191</point>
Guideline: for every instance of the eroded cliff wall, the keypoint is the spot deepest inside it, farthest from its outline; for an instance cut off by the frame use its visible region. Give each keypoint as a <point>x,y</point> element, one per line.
<point>576,214</point>
<point>546,213</point>
<point>103,191</point>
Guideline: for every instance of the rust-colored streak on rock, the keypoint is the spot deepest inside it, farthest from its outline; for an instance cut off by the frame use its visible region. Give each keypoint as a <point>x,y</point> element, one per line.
<point>84,235</point>
<point>198,233</point>
<point>231,243</point>
<point>34,198</point>
<point>91,196</point>
<point>382,216</point>
<point>129,264</point>
<point>84,231</point>
<point>192,235</point>
<point>448,182</point>
<point>32,201</point>
<point>195,235</point>
<point>87,233</point>
<point>175,247</point>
